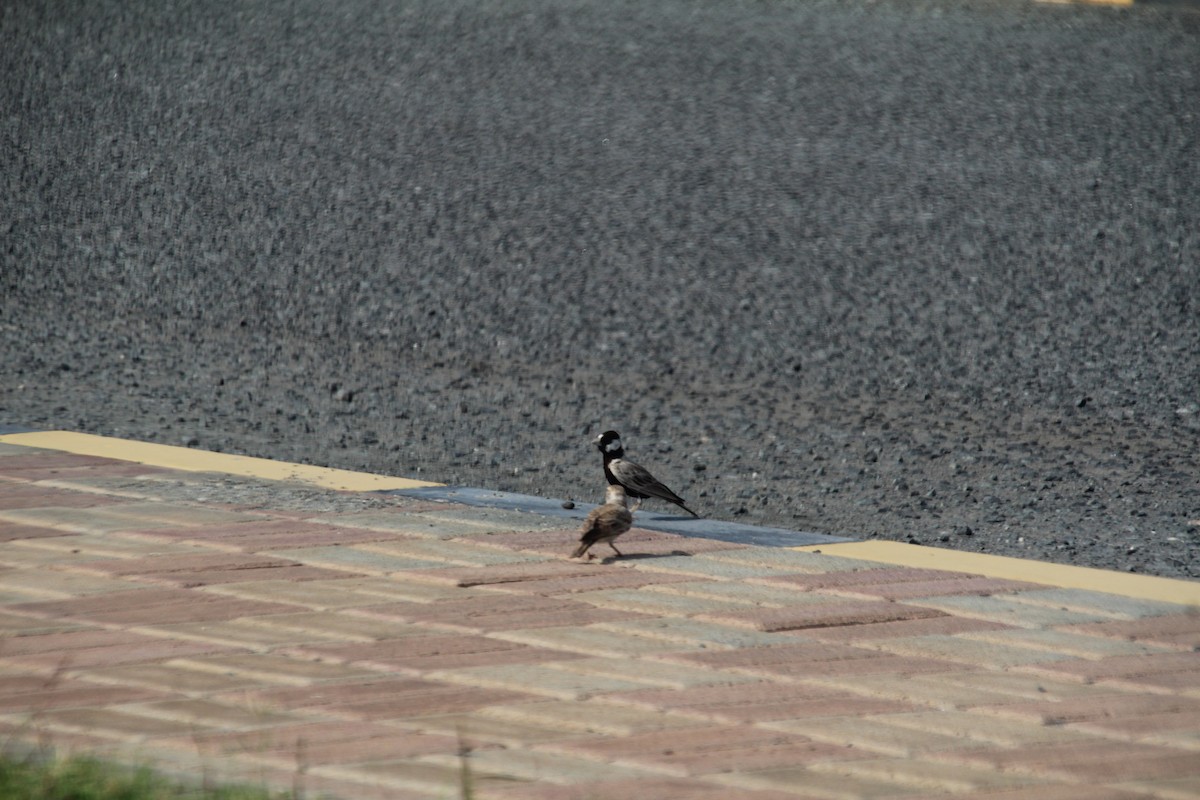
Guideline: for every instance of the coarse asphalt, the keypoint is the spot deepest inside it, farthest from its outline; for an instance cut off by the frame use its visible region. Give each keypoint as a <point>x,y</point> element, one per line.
<point>921,271</point>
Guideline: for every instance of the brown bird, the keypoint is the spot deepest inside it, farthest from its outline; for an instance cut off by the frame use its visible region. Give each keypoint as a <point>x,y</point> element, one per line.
<point>605,522</point>
<point>636,479</point>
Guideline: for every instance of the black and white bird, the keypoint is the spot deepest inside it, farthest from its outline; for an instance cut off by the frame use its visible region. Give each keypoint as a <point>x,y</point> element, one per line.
<point>605,522</point>
<point>637,481</point>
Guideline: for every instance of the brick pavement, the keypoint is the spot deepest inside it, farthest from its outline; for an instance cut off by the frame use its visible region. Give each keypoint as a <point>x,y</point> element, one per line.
<point>372,646</point>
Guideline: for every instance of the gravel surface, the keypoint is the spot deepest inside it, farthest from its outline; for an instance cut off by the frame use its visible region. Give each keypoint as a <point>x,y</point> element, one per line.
<point>926,271</point>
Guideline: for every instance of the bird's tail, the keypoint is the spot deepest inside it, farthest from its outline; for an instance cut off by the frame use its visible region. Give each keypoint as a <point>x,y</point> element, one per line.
<point>693,513</point>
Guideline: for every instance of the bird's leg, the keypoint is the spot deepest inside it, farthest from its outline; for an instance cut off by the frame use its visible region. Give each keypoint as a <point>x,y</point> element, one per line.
<point>615,550</point>
<point>636,506</point>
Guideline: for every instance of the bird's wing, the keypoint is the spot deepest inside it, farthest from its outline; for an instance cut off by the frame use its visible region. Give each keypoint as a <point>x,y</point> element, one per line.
<point>637,480</point>
<point>605,522</point>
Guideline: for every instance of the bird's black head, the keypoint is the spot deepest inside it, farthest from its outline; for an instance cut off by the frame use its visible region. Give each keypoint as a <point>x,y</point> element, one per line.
<point>609,444</point>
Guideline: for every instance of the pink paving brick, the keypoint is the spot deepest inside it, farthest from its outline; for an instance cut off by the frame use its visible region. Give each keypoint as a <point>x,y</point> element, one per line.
<point>1134,666</point>
<point>120,469</point>
<point>19,465</point>
<point>151,606</point>
<point>816,660</point>
<point>759,701</point>
<point>648,788</point>
<point>274,534</point>
<point>931,626</point>
<point>15,496</point>
<point>64,642</point>
<point>325,743</point>
<point>37,694</point>
<point>1098,761</point>
<point>386,699</point>
<point>501,612</point>
<point>1179,630</point>
<point>900,666</point>
<point>555,542</point>
<point>677,545</point>
<point>112,601</point>
<point>1057,792</point>
<point>1091,707</point>
<point>427,653</point>
<point>957,586</point>
<point>1177,682</point>
<point>1136,727</point>
<point>824,615</point>
<point>11,532</point>
<point>179,562</point>
<point>699,751</point>
<point>214,577</point>
<point>500,573</point>
<point>136,652</point>
<point>604,577</point>
<point>784,653</point>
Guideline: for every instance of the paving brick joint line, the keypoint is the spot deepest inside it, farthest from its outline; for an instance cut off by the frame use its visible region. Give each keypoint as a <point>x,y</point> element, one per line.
<point>223,625</point>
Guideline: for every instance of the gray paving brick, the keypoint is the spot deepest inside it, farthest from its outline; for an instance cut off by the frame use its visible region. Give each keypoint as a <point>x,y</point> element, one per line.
<point>1088,602</point>
<point>1008,611</point>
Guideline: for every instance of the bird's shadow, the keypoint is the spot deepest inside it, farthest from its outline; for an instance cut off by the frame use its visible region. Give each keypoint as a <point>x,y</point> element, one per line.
<point>642,556</point>
<point>660,517</point>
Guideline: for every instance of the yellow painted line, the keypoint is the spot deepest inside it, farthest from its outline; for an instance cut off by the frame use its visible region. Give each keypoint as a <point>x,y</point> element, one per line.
<point>189,460</point>
<point>1145,587</point>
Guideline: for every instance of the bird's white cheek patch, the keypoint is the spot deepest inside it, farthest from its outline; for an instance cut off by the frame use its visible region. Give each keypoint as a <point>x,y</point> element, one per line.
<point>613,446</point>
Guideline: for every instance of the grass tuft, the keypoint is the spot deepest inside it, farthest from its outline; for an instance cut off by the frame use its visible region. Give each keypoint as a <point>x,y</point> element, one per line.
<point>87,778</point>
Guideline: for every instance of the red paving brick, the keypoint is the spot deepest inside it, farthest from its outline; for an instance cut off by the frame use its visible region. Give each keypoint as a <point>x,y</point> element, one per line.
<point>122,469</point>
<point>816,660</point>
<point>39,694</point>
<point>384,699</point>
<point>179,562</point>
<point>699,751</point>
<point>94,648</point>
<point>1179,630</point>
<point>433,652</point>
<point>19,495</point>
<point>151,606</point>
<point>674,545</point>
<point>274,534</point>
<point>506,612</point>
<point>606,577</point>
<point>1095,706</point>
<point>825,615</point>
<point>903,628</point>
<point>1175,682</point>
<point>114,655</point>
<point>1056,792</point>
<point>292,572</point>
<point>647,788</point>
<point>501,573</point>
<point>1147,725</point>
<point>958,586</point>
<point>1149,664</point>
<point>561,542</point>
<point>786,652</point>
<point>750,702</point>
<point>1093,761</point>
<point>326,743</point>
<point>18,465</point>
<point>10,532</point>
